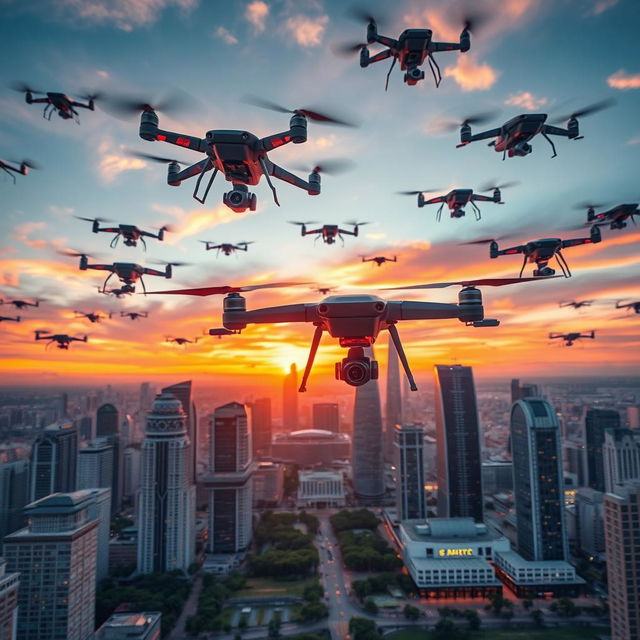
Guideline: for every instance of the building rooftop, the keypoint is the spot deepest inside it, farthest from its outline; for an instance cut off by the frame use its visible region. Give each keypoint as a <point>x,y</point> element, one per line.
<point>518,562</point>
<point>60,502</point>
<point>446,529</point>
<point>310,434</point>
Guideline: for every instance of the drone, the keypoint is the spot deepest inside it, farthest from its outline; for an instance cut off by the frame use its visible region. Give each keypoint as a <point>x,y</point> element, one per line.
<point>117,293</point>
<point>411,49</point>
<point>9,319</point>
<point>62,339</point>
<point>181,341</point>
<point>21,304</point>
<point>456,199</point>
<point>22,168</point>
<point>128,272</point>
<point>513,137</point>
<point>329,232</point>
<point>324,290</point>
<point>570,338</point>
<point>218,333</point>
<point>541,251</point>
<point>356,320</point>
<point>629,305</point>
<point>92,316</point>
<point>615,217</point>
<point>380,260</point>
<point>57,102</point>
<point>240,156</point>
<point>577,304</point>
<point>129,232</point>
<point>226,247</point>
<point>134,315</point>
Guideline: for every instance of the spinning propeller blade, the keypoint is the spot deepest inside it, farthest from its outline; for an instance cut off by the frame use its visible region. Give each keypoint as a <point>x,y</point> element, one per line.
<point>303,223</point>
<point>149,156</point>
<point>492,184</point>
<point>486,282</point>
<point>23,87</point>
<point>29,163</point>
<point>415,193</point>
<point>223,290</point>
<point>353,223</point>
<point>476,118</point>
<point>330,166</point>
<point>312,114</point>
<point>592,108</point>
<point>127,106</point>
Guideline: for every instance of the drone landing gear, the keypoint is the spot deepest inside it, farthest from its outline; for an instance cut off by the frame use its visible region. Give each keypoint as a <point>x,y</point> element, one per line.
<point>550,141</point>
<point>476,210</point>
<point>439,213</point>
<point>395,336</point>
<point>393,64</point>
<point>312,355</point>
<point>9,174</point>
<point>199,180</point>
<point>268,178</point>
<point>435,70</point>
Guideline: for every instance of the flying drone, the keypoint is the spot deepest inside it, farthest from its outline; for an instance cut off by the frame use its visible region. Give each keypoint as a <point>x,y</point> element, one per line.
<point>22,168</point>
<point>129,232</point>
<point>240,156</point>
<point>629,305</point>
<point>329,232</point>
<point>57,102</point>
<point>411,49</point>
<point>92,316</point>
<point>134,315</point>
<point>616,217</point>
<point>456,199</point>
<point>218,333</point>
<point>324,290</point>
<point>380,260</point>
<point>117,293</point>
<point>226,247</point>
<point>9,319</point>
<point>541,251</point>
<point>128,272</point>
<point>570,338</point>
<point>21,304</point>
<point>356,320</point>
<point>181,341</point>
<point>513,137</point>
<point>577,304</point>
<point>62,339</point>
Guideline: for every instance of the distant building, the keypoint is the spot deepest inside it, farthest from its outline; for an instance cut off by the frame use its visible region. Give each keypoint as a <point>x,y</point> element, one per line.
<point>326,415</point>
<point>131,626</point>
<point>261,427</point>
<point>268,484</point>
<point>290,419</point>
<point>411,501</point>
<point>182,391</point>
<point>575,460</point>
<point>107,427</point>
<point>633,417</point>
<point>497,477</point>
<point>100,510</point>
<point>590,510</point>
<point>597,421</point>
<point>95,464</point>
<point>107,421</point>
<point>14,496</point>
<point>320,489</point>
<point>123,550</point>
<point>9,583</point>
<point>621,450</point>
<point>131,467</point>
<point>458,439</point>
<point>85,428</point>
<point>309,447</point>
<point>430,449</point>
<point>56,558</point>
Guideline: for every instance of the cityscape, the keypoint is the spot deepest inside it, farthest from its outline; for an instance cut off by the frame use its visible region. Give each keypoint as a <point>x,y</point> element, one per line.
<point>346,417</point>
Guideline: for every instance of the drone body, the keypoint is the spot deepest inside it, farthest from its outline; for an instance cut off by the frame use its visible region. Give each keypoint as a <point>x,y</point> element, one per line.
<point>456,200</point>
<point>62,339</point>
<point>629,305</point>
<point>9,319</point>
<point>130,233</point>
<point>22,168</point>
<point>59,103</point>
<point>134,315</point>
<point>380,260</point>
<point>577,304</point>
<point>329,232</point>
<point>226,247</point>
<point>570,338</point>
<point>616,217</point>
<point>181,341</point>
<point>21,304</point>
<point>93,317</point>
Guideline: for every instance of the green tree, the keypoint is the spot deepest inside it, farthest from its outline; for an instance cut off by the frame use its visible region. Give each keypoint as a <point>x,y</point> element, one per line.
<point>274,628</point>
<point>313,611</point>
<point>370,606</point>
<point>363,629</point>
<point>361,588</point>
<point>538,617</point>
<point>243,623</point>
<point>473,619</point>
<point>411,612</point>
<point>313,592</point>
<point>446,629</point>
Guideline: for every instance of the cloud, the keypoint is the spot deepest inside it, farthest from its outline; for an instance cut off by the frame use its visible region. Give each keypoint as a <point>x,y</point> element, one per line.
<point>600,6</point>
<point>225,35</point>
<point>472,75</point>
<point>526,100</point>
<point>623,80</point>
<point>634,140</point>
<point>102,73</point>
<point>307,32</point>
<point>256,13</point>
<point>113,162</point>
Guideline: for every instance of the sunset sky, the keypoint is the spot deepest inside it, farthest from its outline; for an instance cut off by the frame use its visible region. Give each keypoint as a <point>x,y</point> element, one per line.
<point>530,55</point>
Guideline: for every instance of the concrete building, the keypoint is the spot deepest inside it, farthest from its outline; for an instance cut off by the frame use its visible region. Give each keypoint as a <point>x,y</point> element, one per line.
<point>497,477</point>
<point>590,511</point>
<point>166,502</point>
<point>597,421</point>
<point>9,583</point>
<point>261,427</point>
<point>100,510</point>
<point>430,451</point>
<point>326,416</point>
<point>408,443</point>
<point>183,391</point>
<point>95,464</point>
<point>621,449</point>
<point>309,447</point>
<point>290,418</point>
<point>268,484</point>
<point>131,626</point>
<point>458,439</point>
<point>123,550</point>
<point>622,539</point>
<point>320,489</point>
<point>229,481</point>
<point>14,496</point>
<point>107,421</point>
<point>56,559</point>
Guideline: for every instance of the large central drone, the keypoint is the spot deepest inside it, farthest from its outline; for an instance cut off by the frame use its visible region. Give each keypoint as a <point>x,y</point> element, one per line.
<point>356,320</point>
<point>62,339</point>
<point>329,232</point>
<point>129,232</point>
<point>240,156</point>
<point>22,168</point>
<point>58,102</point>
<point>570,338</point>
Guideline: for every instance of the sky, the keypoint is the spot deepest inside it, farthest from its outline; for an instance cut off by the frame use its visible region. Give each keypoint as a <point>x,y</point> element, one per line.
<point>528,56</point>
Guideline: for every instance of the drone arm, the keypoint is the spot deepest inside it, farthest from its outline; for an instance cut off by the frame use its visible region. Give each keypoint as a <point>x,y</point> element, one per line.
<point>149,234</point>
<point>555,131</point>
<point>480,198</point>
<point>269,143</point>
<point>100,267</point>
<point>148,271</point>
<point>181,140</point>
<point>108,229</point>
<point>591,334</point>
<point>80,104</point>
<point>286,176</point>
<point>40,100</point>
<point>435,200</point>
<point>444,46</point>
<point>510,251</point>
<point>385,41</point>
<point>414,310</point>
<point>286,313</point>
<point>485,135</point>
<point>315,343</point>
<point>347,232</point>
<point>393,332</point>
<point>574,242</point>
<point>193,170</point>
<point>383,55</point>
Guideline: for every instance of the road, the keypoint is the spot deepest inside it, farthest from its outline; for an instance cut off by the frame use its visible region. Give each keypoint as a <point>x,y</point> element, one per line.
<point>189,609</point>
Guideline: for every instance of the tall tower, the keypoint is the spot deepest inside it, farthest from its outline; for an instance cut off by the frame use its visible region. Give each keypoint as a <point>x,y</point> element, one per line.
<point>393,409</point>
<point>538,481</point>
<point>53,461</point>
<point>621,452</point>
<point>108,426</point>
<point>458,444</point>
<point>367,460</point>
<point>56,558</point>
<point>230,480</point>
<point>166,503</point>
<point>14,496</point>
<point>597,421</point>
<point>9,583</point>
<point>410,496</point>
<point>290,401</point>
<point>95,464</point>
<point>261,427</point>
<point>182,391</point>
<point>326,416</point>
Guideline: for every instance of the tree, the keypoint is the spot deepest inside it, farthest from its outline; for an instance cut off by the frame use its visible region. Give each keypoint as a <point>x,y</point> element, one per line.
<point>274,628</point>
<point>370,606</point>
<point>527,603</point>
<point>538,617</point>
<point>243,623</point>
<point>411,612</point>
<point>445,629</point>
<point>363,629</point>
<point>507,614</point>
<point>313,611</point>
<point>313,592</point>
<point>361,588</point>
<point>473,619</point>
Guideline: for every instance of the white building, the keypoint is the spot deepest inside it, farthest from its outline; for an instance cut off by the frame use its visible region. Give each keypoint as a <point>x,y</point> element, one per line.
<point>621,451</point>
<point>166,502</point>
<point>320,489</point>
<point>95,464</point>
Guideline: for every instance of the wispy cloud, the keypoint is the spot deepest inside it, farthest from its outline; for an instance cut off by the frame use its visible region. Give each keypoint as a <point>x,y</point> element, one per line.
<point>225,35</point>
<point>600,6</point>
<point>306,31</point>
<point>472,75</point>
<point>526,100</point>
<point>623,80</point>
<point>634,140</point>
<point>113,161</point>
<point>256,13</point>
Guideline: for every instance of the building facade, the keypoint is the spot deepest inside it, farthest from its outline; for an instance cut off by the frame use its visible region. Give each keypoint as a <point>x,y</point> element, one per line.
<point>14,495</point>
<point>320,489</point>
<point>597,421</point>
<point>393,405</point>
<point>261,427</point>
<point>182,391</point>
<point>621,450</point>
<point>268,484</point>
<point>326,416</point>
<point>9,584</point>
<point>408,444</point>
<point>95,464</point>
<point>131,626</point>
<point>290,418</point>
<point>309,447</point>
<point>590,511</point>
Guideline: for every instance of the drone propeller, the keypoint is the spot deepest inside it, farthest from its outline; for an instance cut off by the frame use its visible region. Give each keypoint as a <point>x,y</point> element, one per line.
<point>362,14</point>
<point>312,114</point>
<point>246,243</point>
<point>302,224</point>
<point>28,163</point>
<point>476,118</point>
<point>347,48</point>
<point>222,290</point>
<point>353,223</point>
<point>89,96</point>
<point>331,166</point>
<point>173,264</point>
<point>486,282</point>
<point>491,185</point>
<point>592,108</point>
<point>415,193</point>
<point>473,20</point>
<point>588,205</point>
<point>168,227</point>
<point>75,254</point>
<point>94,219</point>
<point>127,106</point>
<point>23,87</point>
<point>149,156</point>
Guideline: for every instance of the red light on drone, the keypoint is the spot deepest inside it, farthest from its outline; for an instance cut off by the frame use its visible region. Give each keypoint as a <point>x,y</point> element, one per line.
<point>161,137</point>
<point>512,251</point>
<point>183,142</point>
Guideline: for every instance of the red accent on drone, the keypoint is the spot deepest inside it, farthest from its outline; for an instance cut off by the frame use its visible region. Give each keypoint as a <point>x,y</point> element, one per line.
<point>183,142</point>
<point>161,137</point>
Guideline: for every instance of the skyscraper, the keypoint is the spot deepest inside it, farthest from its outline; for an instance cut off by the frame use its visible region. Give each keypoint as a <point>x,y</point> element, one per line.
<point>622,543</point>
<point>290,401</point>
<point>597,421</point>
<point>410,494</point>
<point>261,427</point>
<point>100,510</point>
<point>182,391</point>
<point>458,442</point>
<point>95,464</point>
<point>56,558</point>
<point>53,461</point>
<point>538,481</point>
<point>166,503</point>
<point>107,426</point>
<point>106,421</point>
<point>393,408</point>
<point>230,480</point>
<point>326,416</point>
<point>14,496</point>
<point>621,452</point>
<point>367,459</point>
<point>9,583</point>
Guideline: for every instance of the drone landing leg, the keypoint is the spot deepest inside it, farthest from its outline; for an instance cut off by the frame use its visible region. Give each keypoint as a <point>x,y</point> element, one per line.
<point>439,213</point>
<point>144,289</point>
<point>550,141</point>
<point>477,210</point>
<point>312,354</point>
<point>144,244</point>
<point>104,284</point>
<point>199,180</point>
<point>403,358</point>
<point>268,178</point>
<point>524,264</point>
<point>563,264</point>
<point>393,64</point>
<point>114,241</point>
<point>433,65</point>
<point>10,174</point>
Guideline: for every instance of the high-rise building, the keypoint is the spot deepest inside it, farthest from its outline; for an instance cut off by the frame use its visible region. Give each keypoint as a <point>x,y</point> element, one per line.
<point>367,439</point>
<point>290,401</point>
<point>85,428</point>
<point>95,464</point>
<point>130,472</point>
<point>9,583</point>
<point>146,397</point>
<point>538,481</point>
<point>458,438</point>
<point>525,390</point>
<point>53,461</point>
<point>182,391</point>
<point>590,510</point>
<point>622,541</point>
<point>261,427</point>
<point>326,416</point>
<point>56,558</point>
<point>230,480</point>
<point>597,421</point>
<point>166,502</point>
<point>100,510</point>
<point>621,451</point>
<point>411,502</point>
<point>106,421</point>
<point>14,496</point>
<point>107,426</point>
<point>131,626</point>
<point>393,407</point>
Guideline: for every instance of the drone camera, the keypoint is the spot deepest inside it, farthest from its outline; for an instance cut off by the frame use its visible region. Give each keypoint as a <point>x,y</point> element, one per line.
<point>356,369</point>
<point>364,57</point>
<point>314,183</point>
<point>522,149</point>
<point>239,199</point>
<point>591,214</point>
<point>298,128</point>
<point>412,76</point>
<point>173,170</point>
<point>148,125</point>
<point>544,272</point>
<point>28,97</point>
<point>470,303</point>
